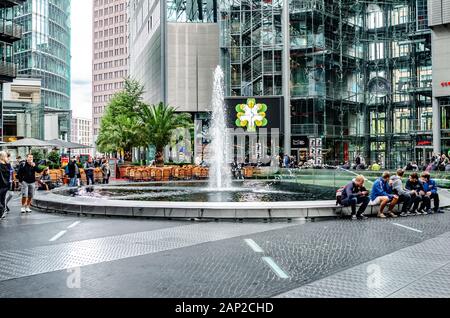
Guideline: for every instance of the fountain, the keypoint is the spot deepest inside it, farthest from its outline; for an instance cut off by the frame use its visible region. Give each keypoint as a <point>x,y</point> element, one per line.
<point>219,197</point>
<point>220,172</point>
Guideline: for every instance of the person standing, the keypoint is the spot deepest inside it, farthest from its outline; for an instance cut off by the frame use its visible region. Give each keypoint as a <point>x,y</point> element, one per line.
<point>89,169</point>
<point>27,178</point>
<point>355,193</point>
<point>10,193</point>
<point>72,172</point>
<point>5,175</point>
<point>106,171</point>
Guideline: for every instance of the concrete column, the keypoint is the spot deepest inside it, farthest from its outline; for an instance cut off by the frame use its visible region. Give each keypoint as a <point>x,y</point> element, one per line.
<point>286,77</point>
<point>436,126</point>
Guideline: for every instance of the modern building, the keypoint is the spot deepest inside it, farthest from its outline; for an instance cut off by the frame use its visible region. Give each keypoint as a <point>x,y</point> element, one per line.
<point>10,32</point>
<point>355,76</point>
<point>110,54</point>
<point>439,22</point>
<point>174,49</point>
<point>23,112</point>
<point>81,134</point>
<point>44,52</point>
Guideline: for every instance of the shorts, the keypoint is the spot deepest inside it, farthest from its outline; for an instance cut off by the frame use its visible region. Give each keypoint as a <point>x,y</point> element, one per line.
<point>28,189</point>
<point>377,201</point>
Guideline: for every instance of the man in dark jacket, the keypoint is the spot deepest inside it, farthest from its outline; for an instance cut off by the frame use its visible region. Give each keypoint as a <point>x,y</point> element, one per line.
<point>4,182</point>
<point>27,177</point>
<point>73,172</point>
<point>414,185</point>
<point>89,169</point>
<point>355,193</point>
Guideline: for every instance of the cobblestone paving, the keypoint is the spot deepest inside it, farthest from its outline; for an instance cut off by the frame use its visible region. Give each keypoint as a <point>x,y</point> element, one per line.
<point>321,259</point>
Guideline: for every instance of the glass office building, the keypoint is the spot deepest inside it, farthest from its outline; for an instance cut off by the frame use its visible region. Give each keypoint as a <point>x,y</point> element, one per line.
<point>357,75</point>
<point>10,32</point>
<point>44,52</point>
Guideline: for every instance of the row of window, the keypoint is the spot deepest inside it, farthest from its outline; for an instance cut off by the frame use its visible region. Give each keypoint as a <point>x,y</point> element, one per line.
<point>110,10</point>
<point>111,53</point>
<point>109,43</point>
<point>111,75</point>
<point>99,109</point>
<point>108,87</point>
<point>110,64</point>
<point>110,32</point>
<point>109,21</point>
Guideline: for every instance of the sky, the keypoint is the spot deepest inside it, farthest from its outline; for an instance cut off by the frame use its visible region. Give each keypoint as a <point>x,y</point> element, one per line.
<point>81,58</point>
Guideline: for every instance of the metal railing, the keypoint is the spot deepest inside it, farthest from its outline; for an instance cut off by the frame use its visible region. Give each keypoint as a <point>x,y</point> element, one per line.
<point>8,69</point>
<point>10,28</point>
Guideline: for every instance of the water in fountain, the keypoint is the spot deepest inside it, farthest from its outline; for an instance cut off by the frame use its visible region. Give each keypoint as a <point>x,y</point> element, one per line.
<point>220,172</point>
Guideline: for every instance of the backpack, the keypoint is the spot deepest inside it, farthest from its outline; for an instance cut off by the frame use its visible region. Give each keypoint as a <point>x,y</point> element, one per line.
<point>339,195</point>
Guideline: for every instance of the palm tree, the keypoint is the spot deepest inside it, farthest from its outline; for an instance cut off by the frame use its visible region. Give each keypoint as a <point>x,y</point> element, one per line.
<point>160,121</point>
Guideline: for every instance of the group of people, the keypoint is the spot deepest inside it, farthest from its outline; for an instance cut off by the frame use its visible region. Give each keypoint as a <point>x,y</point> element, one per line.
<point>74,173</point>
<point>26,171</point>
<point>26,175</point>
<point>415,195</point>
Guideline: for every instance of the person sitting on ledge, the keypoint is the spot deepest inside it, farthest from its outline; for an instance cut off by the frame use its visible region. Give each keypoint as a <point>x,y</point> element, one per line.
<point>382,195</point>
<point>431,193</point>
<point>355,193</point>
<point>403,194</point>
<point>45,182</point>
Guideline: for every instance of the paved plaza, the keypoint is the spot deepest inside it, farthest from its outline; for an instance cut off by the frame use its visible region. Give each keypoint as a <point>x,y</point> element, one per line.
<point>53,255</point>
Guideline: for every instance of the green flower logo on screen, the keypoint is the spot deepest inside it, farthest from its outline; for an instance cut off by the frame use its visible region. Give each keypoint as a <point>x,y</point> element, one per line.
<point>251,115</point>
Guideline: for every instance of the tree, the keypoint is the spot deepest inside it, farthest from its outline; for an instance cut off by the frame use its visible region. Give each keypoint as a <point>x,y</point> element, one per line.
<point>160,121</point>
<point>120,128</point>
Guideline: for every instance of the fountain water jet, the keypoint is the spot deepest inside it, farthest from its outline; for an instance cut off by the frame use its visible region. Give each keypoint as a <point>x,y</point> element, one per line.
<point>220,172</point>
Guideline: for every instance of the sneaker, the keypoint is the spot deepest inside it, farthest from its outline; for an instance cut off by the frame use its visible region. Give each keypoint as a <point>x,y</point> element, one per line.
<point>3,215</point>
<point>28,210</point>
<point>23,210</point>
<point>439,211</point>
<point>381,216</point>
<point>411,213</point>
<point>362,217</point>
<point>403,214</point>
<point>392,215</point>
<point>354,217</point>
<point>430,211</point>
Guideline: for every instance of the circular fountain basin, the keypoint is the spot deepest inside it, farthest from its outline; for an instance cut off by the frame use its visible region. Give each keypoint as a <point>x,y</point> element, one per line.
<point>194,200</point>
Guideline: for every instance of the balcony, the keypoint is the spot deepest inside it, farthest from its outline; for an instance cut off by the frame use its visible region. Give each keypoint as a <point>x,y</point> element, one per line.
<point>11,3</point>
<point>10,31</point>
<point>8,71</point>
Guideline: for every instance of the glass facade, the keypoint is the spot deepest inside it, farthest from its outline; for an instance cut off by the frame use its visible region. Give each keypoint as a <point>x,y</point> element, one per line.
<point>192,10</point>
<point>360,73</point>
<point>44,52</point>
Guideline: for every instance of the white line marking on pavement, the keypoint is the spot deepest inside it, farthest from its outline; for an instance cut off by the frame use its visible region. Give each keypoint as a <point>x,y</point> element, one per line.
<point>277,270</point>
<point>74,224</point>
<point>58,236</point>
<point>409,228</point>
<point>255,247</point>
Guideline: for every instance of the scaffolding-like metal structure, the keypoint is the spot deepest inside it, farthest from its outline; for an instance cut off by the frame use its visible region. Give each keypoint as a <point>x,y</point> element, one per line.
<point>360,71</point>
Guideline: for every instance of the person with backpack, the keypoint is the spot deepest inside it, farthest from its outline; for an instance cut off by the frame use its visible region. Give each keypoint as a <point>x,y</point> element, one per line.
<point>72,172</point>
<point>353,194</point>
<point>27,177</point>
